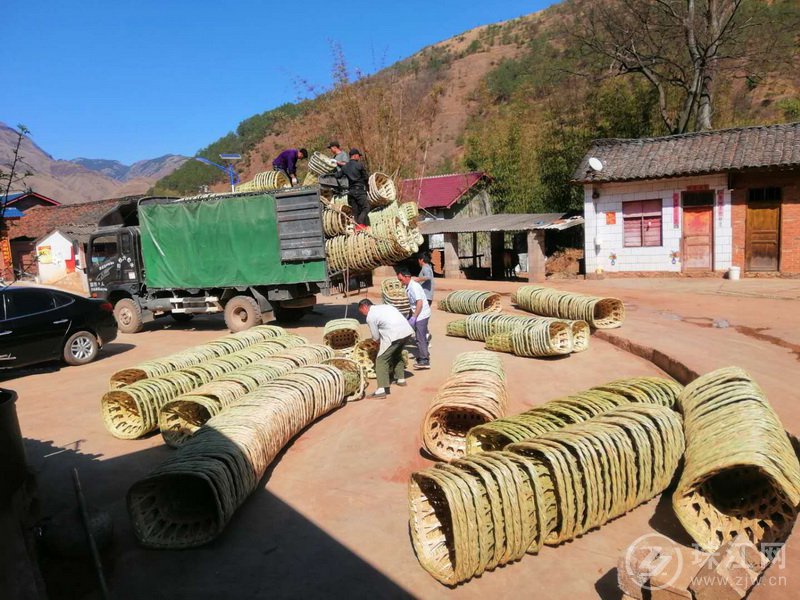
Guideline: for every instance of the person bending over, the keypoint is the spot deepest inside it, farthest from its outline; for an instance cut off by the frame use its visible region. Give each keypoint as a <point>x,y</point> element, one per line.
<point>388,326</point>
<point>287,161</point>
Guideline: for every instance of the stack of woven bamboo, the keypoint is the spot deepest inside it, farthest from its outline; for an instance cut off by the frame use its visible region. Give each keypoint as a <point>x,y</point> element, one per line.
<point>188,500</point>
<point>382,190</point>
<point>741,476</point>
<point>600,313</point>
<point>467,302</point>
<point>366,353</point>
<point>265,181</point>
<point>572,409</point>
<point>483,511</point>
<point>474,394</point>
<point>132,411</point>
<point>393,292</point>
<point>180,418</point>
<point>341,335</point>
<point>319,164</point>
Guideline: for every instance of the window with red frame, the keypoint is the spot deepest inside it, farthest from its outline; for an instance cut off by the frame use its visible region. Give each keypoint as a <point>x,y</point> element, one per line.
<point>642,223</point>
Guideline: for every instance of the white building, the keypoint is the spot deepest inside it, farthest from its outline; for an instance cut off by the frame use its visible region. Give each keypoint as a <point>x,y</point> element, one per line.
<point>61,256</point>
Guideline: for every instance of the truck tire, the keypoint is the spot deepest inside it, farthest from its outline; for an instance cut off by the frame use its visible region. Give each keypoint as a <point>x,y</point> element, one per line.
<point>80,348</point>
<point>242,312</point>
<point>128,314</point>
<point>182,317</point>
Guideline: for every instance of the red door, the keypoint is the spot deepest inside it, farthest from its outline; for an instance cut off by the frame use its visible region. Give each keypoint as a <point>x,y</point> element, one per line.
<point>698,238</point>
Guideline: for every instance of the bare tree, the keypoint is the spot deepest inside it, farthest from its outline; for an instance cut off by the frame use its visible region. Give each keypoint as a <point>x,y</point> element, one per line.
<point>680,46</point>
<point>13,177</point>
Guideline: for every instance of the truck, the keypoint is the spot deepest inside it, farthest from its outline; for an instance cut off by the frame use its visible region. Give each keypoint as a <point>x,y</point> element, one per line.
<point>244,255</point>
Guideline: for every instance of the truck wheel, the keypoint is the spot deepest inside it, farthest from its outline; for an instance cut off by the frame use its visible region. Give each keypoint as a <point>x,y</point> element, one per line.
<point>182,317</point>
<point>242,312</point>
<point>81,348</point>
<point>288,315</point>
<point>128,314</point>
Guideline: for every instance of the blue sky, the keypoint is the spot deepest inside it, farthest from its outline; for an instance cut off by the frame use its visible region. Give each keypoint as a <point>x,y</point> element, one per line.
<point>135,80</point>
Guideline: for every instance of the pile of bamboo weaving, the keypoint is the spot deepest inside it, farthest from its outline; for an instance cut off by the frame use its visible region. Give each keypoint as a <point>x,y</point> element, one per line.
<point>393,292</point>
<point>341,335</point>
<point>467,302</point>
<point>382,190</point>
<point>319,164</point>
<point>265,181</point>
<point>481,326</point>
<point>600,313</point>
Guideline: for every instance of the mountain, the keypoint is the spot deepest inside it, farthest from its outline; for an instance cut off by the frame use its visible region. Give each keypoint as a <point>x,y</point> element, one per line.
<point>154,168</point>
<point>520,99</point>
<point>82,180</point>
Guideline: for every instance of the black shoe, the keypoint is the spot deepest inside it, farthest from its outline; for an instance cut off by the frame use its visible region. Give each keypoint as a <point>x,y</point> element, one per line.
<point>422,365</point>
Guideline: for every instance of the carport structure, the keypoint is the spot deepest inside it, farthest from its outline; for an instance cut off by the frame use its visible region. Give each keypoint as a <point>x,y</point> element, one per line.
<point>534,225</point>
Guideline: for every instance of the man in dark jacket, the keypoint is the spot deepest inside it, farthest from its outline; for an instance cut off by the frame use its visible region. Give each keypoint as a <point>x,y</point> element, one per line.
<point>358,180</point>
<point>287,162</point>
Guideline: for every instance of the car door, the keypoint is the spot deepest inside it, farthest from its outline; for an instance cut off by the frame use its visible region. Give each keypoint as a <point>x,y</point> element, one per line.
<point>33,329</point>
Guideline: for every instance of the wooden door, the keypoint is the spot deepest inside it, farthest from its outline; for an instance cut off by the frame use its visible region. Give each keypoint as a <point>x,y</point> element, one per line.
<point>762,235</point>
<point>698,238</point>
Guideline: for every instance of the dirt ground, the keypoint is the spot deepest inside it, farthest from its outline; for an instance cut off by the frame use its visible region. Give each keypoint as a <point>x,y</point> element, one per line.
<point>330,518</point>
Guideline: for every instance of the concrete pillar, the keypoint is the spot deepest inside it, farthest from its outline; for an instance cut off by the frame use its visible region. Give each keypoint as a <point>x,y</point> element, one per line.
<point>497,244</point>
<point>452,265</point>
<point>536,256</point>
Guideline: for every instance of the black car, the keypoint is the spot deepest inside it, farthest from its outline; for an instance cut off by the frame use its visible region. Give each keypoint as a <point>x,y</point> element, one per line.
<point>42,324</point>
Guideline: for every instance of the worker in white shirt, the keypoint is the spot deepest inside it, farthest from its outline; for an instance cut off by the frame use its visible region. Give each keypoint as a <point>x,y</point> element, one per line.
<point>420,313</point>
<point>389,326</point>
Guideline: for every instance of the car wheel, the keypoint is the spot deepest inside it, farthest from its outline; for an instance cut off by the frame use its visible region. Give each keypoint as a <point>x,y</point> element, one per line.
<point>242,312</point>
<point>182,317</point>
<point>128,314</point>
<point>81,348</point>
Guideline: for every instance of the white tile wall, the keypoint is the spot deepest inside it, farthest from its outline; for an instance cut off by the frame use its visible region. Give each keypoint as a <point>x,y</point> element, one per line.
<point>610,240</point>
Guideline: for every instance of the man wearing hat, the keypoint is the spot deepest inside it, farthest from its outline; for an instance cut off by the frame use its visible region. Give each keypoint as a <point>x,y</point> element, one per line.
<point>358,181</point>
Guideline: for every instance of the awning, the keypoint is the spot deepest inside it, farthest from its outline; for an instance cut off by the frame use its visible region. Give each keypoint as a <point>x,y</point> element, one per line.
<point>504,222</point>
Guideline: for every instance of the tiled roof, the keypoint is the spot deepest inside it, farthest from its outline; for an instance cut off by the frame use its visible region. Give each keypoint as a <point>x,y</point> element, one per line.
<point>439,191</point>
<point>40,220</point>
<point>699,153</point>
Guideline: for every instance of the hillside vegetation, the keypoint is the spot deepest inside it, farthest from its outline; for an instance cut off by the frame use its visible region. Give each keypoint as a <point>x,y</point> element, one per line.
<point>520,99</point>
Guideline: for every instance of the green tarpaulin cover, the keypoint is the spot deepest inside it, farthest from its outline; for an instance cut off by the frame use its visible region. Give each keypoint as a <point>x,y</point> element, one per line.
<point>220,242</point>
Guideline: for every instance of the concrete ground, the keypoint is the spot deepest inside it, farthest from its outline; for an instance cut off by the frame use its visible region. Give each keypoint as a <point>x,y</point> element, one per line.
<point>330,518</point>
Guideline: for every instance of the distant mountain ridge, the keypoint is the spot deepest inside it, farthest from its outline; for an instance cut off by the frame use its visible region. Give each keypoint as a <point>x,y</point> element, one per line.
<point>153,167</point>
<point>82,179</point>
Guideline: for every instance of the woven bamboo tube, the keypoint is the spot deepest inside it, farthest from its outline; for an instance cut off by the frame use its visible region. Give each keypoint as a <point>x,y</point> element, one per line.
<point>382,190</point>
<point>457,328</point>
<point>319,164</point>
<point>341,334</point>
<point>483,511</point>
<point>310,179</point>
<point>355,377</point>
<point>741,476</point>
<point>474,394</point>
<point>411,212</point>
<point>336,222</point>
<point>365,353</point>
<point>132,411</point>
<point>600,313</point>
<point>180,418</point>
<point>393,292</point>
<point>480,326</point>
<point>188,500</point>
<point>264,182</point>
<point>195,355</point>
<point>467,302</point>
<point>561,412</point>
<point>363,251</point>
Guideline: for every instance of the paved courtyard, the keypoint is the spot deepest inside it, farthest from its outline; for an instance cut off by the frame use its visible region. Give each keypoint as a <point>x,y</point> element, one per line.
<point>330,518</point>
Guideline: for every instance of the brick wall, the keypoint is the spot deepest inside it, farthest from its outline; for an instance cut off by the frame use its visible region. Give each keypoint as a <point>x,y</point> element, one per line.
<point>789,182</point>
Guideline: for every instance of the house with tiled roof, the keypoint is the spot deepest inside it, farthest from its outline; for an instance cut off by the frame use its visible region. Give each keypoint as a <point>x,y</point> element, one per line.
<point>694,203</point>
<point>22,201</point>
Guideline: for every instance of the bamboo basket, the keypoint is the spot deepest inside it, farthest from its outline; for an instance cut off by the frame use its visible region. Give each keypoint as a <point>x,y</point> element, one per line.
<point>132,411</point>
<point>180,418</point>
<point>355,377</point>
<point>480,326</point>
<point>488,510</point>
<point>310,179</point>
<point>341,334</point>
<point>474,394</point>
<point>265,182</point>
<point>336,221</point>
<point>393,292</point>
<point>600,313</point>
<point>561,412</point>
<point>195,355</point>
<point>741,476</point>
<point>467,302</point>
<point>382,190</point>
<point>457,328</point>
<point>319,164</point>
<point>188,500</point>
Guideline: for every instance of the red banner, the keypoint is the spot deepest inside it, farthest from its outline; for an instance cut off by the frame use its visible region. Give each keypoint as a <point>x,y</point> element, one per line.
<point>676,210</point>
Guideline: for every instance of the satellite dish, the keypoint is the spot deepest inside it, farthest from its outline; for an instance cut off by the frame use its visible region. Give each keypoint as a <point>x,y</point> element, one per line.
<point>595,164</point>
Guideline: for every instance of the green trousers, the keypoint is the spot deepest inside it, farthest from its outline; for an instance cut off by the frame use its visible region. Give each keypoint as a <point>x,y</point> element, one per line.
<point>390,364</point>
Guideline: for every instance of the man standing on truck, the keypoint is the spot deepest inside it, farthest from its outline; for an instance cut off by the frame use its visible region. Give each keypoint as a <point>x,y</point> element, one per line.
<point>358,181</point>
<point>389,326</point>
<point>420,313</point>
<point>287,161</point>
<point>339,155</point>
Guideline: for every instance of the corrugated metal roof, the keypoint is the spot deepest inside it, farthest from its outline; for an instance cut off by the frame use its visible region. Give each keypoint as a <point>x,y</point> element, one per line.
<point>504,222</point>
<point>698,153</point>
<point>12,213</point>
<point>439,191</point>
